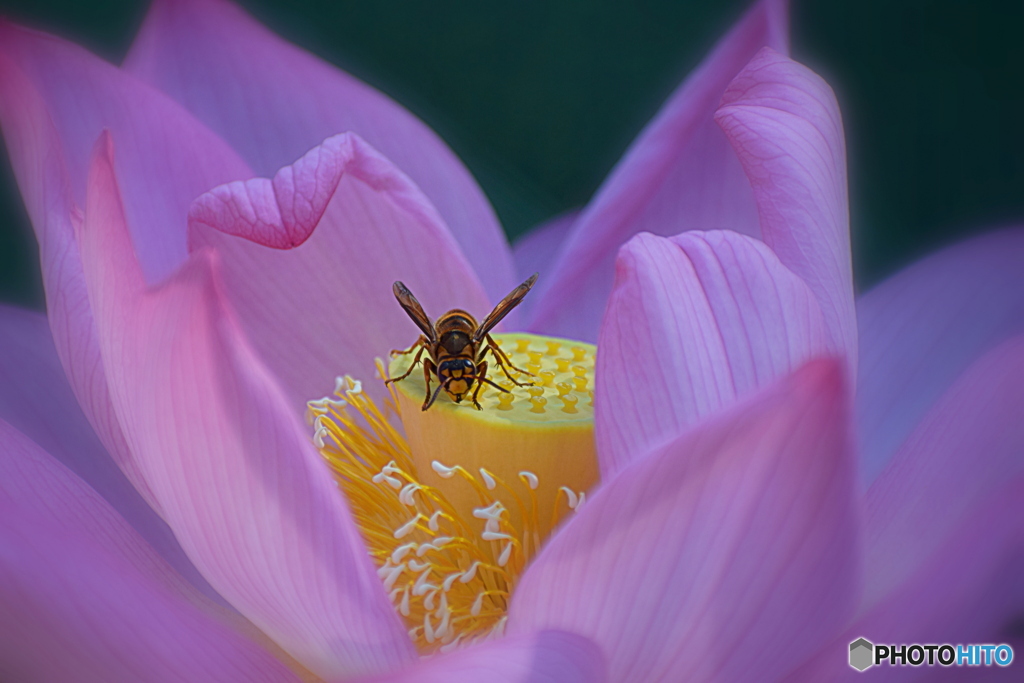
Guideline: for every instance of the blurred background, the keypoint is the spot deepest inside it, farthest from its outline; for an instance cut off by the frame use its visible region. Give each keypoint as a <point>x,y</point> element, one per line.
<point>541,98</point>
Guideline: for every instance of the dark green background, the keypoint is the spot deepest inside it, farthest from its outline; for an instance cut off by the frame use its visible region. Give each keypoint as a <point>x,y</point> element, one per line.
<point>541,98</point>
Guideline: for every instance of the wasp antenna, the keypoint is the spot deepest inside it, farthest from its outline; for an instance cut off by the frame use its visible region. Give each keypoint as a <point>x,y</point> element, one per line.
<point>496,386</point>
<point>432,399</point>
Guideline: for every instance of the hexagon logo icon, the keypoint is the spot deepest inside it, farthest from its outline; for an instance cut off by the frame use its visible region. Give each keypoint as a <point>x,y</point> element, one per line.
<point>861,651</point>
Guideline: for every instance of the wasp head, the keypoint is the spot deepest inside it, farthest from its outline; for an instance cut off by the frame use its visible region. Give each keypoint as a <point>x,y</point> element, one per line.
<point>457,377</point>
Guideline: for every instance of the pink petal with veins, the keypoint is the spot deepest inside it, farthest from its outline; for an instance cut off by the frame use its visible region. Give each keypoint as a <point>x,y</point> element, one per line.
<point>968,591</point>
<point>38,402</point>
<point>325,307</point>
<point>273,101</point>
<point>680,174</point>
<point>55,98</point>
<point>542,657</point>
<point>695,322</point>
<point>727,554</point>
<point>168,159</point>
<point>783,121</point>
<point>970,443</point>
<point>236,474</point>
<point>921,328</point>
<point>944,523</point>
<point>535,251</point>
<point>84,598</point>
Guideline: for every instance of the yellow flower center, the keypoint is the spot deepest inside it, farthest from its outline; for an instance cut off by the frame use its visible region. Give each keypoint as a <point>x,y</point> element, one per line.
<point>453,511</point>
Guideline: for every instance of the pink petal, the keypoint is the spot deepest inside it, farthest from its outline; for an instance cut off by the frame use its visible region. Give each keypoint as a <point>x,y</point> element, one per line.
<point>784,123</point>
<point>37,400</point>
<point>54,100</point>
<point>326,307</point>
<point>37,158</point>
<point>274,101</point>
<point>535,252</point>
<point>282,212</point>
<point>967,447</point>
<point>169,158</point>
<point>944,525</point>
<point>543,657</point>
<point>922,328</point>
<point>84,598</point>
<point>694,322</point>
<point>969,591</point>
<point>728,554</point>
<point>41,488</point>
<point>680,174</point>
<point>236,475</point>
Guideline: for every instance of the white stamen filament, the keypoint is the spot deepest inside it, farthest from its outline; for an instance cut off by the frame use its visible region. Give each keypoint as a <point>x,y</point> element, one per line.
<point>404,606</point>
<point>468,575</point>
<point>389,582</point>
<point>505,554</point>
<point>433,521</point>
<point>407,528</point>
<point>443,471</point>
<point>531,479</point>
<point>492,511</point>
<point>450,554</point>
<point>405,497</point>
<point>391,481</point>
<point>452,645</point>
<point>428,630</point>
<point>436,544</point>
<point>421,587</point>
<point>442,630</point>
<point>449,580</point>
<point>401,551</point>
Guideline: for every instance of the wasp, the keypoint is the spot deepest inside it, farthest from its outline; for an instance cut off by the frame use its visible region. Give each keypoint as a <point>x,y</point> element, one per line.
<point>456,346</point>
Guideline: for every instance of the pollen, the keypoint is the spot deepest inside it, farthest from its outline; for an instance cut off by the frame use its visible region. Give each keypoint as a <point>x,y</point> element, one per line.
<point>454,502</point>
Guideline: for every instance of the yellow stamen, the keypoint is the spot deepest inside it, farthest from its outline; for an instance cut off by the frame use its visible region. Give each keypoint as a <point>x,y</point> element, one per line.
<point>453,512</point>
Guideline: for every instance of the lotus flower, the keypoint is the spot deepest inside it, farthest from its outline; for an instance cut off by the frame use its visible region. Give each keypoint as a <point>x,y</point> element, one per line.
<point>774,483</point>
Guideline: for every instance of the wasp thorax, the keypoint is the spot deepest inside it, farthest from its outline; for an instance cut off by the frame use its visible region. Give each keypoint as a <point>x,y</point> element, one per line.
<point>453,512</point>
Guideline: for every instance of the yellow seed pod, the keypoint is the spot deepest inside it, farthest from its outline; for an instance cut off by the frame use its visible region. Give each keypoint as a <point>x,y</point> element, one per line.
<point>514,432</point>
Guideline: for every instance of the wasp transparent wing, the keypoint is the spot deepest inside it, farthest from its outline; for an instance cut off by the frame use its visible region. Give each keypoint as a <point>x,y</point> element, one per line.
<point>415,311</point>
<point>514,298</point>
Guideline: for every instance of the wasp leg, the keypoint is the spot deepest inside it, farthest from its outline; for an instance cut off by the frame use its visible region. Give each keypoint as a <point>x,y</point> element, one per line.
<point>428,368</point>
<point>422,342</point>
<point>481,378</point>
<point>504,361</point>
<point>415,361</point>
<point>433,397</point>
